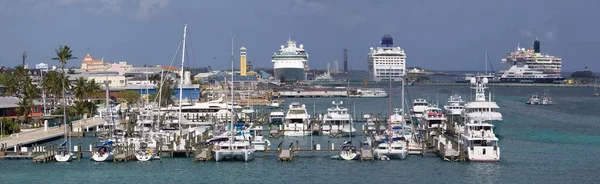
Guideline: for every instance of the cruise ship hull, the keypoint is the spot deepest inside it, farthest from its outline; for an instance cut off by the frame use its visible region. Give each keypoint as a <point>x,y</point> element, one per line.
<point>289,74</point>
<point>532,80</point>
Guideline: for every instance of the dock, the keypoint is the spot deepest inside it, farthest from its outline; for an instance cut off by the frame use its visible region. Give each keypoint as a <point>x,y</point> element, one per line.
<point>285,155</point>
<point>366,155</point>
<point>42,134</point>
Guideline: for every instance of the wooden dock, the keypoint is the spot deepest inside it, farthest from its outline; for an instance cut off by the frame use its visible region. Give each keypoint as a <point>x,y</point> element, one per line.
<point>42,134</point>
<point>285,155</point>
<point>366,155</point>
<point>44,158</point>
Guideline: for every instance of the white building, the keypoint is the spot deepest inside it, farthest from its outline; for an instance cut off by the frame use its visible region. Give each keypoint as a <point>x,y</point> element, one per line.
<point>386,62</point>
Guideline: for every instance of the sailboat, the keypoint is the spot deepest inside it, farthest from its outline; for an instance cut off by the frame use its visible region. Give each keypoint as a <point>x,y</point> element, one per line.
<point>349,151</point>
<point>393,147</point>
<point>64,154</point>
<point>105,152</point>
<point>230,147</point>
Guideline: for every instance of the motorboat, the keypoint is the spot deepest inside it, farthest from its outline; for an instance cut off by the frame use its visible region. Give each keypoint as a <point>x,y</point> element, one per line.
<point>297,121</point>
<point>418,107</point>
<point>337,121</point>
<point>454,106</point>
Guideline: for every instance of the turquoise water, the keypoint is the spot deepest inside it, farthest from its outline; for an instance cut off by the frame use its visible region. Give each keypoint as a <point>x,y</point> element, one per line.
<point>539,144</point>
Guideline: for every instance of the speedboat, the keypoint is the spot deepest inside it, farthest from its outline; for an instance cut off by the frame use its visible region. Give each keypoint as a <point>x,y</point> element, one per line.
<point>534,100</point>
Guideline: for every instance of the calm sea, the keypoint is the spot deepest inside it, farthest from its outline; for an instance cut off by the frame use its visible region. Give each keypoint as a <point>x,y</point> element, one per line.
<point>539,144</point>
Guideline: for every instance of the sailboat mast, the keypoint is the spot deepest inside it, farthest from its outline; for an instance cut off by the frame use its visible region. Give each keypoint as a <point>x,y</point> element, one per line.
<point>232,114</point>
<point>486,63</point>
<point>181,78</point>
<point>390,115</point>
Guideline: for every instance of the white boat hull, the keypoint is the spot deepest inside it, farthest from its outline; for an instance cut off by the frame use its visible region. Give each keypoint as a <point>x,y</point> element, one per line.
<point>392,154</point>
<point>97,157</point>
<point>296,133</point>
<point>483,154</point>
<point>143,156</point>
<point>63,157</point>
<point>349,155</point>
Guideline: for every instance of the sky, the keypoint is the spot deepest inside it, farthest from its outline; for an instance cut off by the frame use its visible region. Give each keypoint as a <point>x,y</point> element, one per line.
<point>435,34</point>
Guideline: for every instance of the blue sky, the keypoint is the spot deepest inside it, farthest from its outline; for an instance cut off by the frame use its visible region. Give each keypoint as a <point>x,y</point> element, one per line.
<point>436,34</point>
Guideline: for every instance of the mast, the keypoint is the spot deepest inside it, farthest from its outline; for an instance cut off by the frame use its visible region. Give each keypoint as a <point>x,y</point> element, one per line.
<point>486,57</point>
<point>231,88</point>
<point>390,116</point>
<point>181,77</point>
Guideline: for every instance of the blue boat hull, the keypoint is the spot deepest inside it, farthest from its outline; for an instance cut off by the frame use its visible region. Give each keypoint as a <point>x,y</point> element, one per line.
<point>532,80</point>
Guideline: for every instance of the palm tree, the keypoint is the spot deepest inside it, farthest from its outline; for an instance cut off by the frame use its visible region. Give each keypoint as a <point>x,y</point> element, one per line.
<point>52,86</point>
<point>24,109</point>
<point>63,54</point>
<point>80,108</point>
<point>92,89</point>
<point>79,90</point>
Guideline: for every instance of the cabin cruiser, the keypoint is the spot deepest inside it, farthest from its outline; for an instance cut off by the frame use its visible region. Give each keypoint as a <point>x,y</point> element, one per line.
<point>297,121</point>
<point>337,121</point>
<point>454,106</point>
<point>419,106</point>
<point>276,117</point>
<point>481,107</point>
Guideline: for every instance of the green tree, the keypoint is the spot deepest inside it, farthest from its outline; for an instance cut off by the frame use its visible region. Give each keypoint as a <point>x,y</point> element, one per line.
<point>79,89</point>
<point>63,54</point>
<point>166,91</point>
<point>9,126</point>
<point>80,108</point>
<point>129,96</point>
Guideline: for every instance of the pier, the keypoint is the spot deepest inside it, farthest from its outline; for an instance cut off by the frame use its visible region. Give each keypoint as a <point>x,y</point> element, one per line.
<point>42,134</point>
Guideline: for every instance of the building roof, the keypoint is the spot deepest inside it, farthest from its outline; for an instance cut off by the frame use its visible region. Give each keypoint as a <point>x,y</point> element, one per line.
<point>88,59</point>
<point>170,68</point>
<point>12,102</point>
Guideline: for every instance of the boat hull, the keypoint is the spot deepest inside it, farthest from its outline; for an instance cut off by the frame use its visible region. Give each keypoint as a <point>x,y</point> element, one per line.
<point>289,74</point>
<point>97,157</point>
<point>349,156</point>
<point>63,157</point>
<point>143,155</point>
<point>391,154</point>
<point>532,80</point>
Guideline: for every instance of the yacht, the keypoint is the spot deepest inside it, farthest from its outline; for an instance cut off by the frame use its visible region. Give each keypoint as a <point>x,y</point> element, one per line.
<point>276,117</point>
<point>395,149</point>
<point>534,100</point>
<point>419,106</point>
<point>454,106</point>
<point>215,111</point>
<point>297,121</point>
<point>337,121</point>
<point>274,103</point>
<point>104,153</point>
<point>372,93</point>
<point>432,118</point>
<point>233,149</point>
<point>480,142</point>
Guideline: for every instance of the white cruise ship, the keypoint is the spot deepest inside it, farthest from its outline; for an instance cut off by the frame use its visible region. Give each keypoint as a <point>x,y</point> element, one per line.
<point>532,66</point>
<point>290,63</point>
<point>386,62</point>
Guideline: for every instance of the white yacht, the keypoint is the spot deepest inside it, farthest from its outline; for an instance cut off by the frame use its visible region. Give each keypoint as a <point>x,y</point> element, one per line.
<point>215,111</point>
<point>337,121</point>
<point>454,106</point>
<point>481,107</point>
<point>478,138</point>
<point>274,103</point>
<point>395,149</point>
<point>297,121</point>
<point>534,100</point>
<point>276,117</point>
<point>480,142</point>
<point>234,149</point>
<point>432,118</point>
<point>372,93</point>
<point>419,105</point>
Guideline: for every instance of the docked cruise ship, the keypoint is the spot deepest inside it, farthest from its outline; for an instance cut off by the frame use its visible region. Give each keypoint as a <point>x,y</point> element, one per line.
<point>290,63</point>
<point>531,66</point>
<point>386,62</point>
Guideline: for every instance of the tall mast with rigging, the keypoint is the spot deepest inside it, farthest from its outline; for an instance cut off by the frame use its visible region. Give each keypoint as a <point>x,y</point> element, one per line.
<point>181,78</point>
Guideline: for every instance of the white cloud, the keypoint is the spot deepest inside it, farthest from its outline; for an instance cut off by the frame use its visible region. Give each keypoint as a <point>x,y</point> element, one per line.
<point>107,6</point>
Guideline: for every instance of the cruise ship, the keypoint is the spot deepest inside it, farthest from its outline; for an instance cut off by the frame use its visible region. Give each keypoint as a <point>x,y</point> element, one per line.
<point>290,63</point>
<point>531,66</point>
<point>386,62</point>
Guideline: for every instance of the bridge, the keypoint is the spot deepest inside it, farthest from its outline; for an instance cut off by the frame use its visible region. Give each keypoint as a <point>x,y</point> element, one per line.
<point>41,134</point>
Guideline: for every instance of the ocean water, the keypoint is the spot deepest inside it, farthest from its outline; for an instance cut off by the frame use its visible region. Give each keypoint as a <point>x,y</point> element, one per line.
<point>539,144</point>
